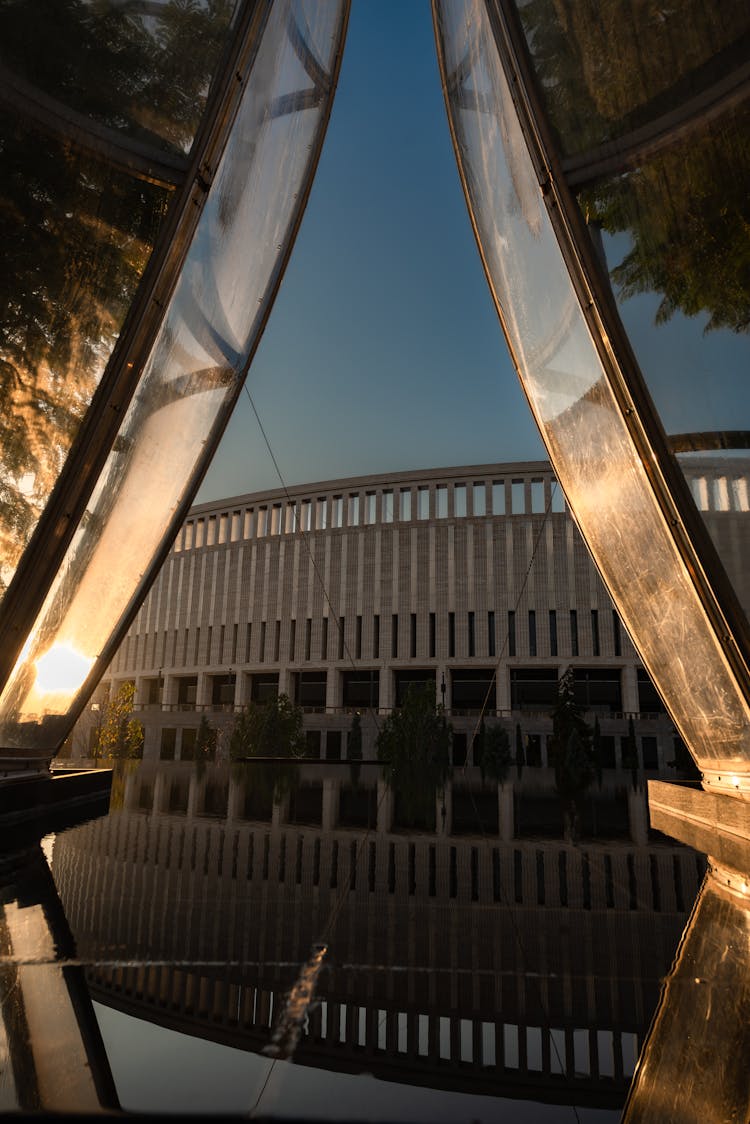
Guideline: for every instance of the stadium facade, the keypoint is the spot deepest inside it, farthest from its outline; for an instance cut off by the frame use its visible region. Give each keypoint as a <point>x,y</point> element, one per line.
<point>342,594</point>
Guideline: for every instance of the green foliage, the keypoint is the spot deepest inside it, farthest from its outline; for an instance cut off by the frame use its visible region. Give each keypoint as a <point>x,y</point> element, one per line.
<point>571,752</point>
<point>268,729</point>
<point>685,207</point>
<point>354,740</point>
<point>205,741</point>
<point>119,735</point>
<point>414,747</point>
<point>495,756</point>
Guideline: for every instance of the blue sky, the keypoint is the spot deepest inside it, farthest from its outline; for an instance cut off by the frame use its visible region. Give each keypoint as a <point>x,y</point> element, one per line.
<point>383,350</point>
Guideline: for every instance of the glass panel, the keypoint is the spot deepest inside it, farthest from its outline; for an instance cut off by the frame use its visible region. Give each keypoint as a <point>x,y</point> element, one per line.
<point>140,70</point>
<point>607,70</point>
<point>498,497</point>
<point>459,500</point>
<point>441,501</point>
<point>423,503</point>
<point>584,430</point>
<point>100,109</point>
<point>666,207</point>
<point>76,237</point>
<point>210,327</point>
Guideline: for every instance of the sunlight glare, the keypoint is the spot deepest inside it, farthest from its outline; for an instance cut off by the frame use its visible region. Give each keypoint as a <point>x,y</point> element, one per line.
<point>61,670</point>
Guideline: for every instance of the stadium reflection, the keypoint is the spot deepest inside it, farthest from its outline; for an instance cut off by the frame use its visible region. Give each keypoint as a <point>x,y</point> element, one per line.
<point>236,907</point>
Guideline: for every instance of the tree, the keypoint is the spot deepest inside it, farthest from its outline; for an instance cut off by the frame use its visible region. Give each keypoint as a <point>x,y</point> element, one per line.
<point>495,760</point>
<point>571,752</point>
<point>205,741</point>
<point>119,734</point>
<point>414,747</point>
<point>76,233</point>
<point>268,729</point>
<point>685,207</point>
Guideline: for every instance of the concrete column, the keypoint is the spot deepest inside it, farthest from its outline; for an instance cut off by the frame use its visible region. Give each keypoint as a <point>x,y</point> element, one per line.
<point>386,697</point>
<point>385,807</point>
<point>442,675</point>
<point>638,816</point>
<point>236,798</point>
<point>502,686</point>
<point>128,797</point>
<point>285,682</point>
<point>169,690</point>
<point>280,813</point>
<point>444,810</point>
<point>630,702</point>
<point>333,686</point>
<point>330,803</point>
<point>242,689</point>
<point>141,692</point>
<point>505,810</point>
<point>195,794</point>
<point>157,802</point>
<point>203,690</point>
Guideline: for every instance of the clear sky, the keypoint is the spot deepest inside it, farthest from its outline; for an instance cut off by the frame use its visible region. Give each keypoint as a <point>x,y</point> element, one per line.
<point>383,351</point>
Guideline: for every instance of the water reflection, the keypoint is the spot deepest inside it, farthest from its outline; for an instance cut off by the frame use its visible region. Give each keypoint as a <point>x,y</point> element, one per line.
<point>502,972</point>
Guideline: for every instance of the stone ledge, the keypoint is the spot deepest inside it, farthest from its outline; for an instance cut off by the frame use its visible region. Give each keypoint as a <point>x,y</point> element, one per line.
<point>710,822</point>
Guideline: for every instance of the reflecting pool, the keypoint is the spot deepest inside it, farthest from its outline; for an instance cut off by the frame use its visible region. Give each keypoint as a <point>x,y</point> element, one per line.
<point>274,939</point>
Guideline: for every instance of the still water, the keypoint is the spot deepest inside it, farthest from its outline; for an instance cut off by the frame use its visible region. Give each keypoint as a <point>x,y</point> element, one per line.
<point>302,940</point>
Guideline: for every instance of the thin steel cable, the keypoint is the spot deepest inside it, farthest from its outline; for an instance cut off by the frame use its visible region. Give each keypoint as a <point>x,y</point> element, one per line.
<point>340,897</point>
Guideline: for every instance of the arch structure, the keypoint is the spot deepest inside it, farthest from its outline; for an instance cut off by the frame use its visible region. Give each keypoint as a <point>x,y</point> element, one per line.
<point>595,149</point>
<point>156,150</point>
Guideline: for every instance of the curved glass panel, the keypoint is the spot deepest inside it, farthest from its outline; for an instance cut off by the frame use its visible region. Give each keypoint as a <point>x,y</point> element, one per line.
<point>194,372</point>
<point>649,108</point>
<point>77,235</point>
<point>143,70</point>
<point>99,105</point>
<point>591,446</point>
<point>609,69</point>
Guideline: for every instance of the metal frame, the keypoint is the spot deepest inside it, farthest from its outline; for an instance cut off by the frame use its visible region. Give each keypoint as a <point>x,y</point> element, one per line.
<point>214,436</point>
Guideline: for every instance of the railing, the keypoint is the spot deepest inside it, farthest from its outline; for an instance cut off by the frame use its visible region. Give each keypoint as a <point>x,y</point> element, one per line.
<point>519,714</point>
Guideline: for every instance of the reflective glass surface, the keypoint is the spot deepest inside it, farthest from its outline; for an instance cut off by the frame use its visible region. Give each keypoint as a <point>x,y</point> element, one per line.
<point>76,237</point>
<point>221,921</point>
<point>194,371</point>
<point>141,69</point>
<point>573,397</point>
<point>649,108</point>
<point>99,105</point>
